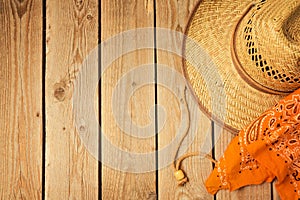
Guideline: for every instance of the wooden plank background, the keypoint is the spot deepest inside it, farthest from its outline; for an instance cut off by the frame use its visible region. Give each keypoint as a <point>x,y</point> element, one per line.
<point>21,135</point>
<point>43,45</point>
<point>119,184</point>
<point>71,33</point>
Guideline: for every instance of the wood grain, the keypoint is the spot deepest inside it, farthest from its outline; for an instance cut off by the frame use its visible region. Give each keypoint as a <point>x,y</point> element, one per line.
<point>72,32</point>
<point>122,179</point>
<point>71,172</point>
<point>174,15</point>
<point>262,191</point>
<point>275,193</point>
<point>21,99</point>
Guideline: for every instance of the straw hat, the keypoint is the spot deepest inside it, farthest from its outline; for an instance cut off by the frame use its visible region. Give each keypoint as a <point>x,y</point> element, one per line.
<point>255,46</point>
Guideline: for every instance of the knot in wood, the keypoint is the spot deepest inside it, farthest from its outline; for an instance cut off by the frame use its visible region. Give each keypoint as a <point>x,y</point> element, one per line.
<point>82,128</point>
<point>89,17</point>
<point>59,93</point>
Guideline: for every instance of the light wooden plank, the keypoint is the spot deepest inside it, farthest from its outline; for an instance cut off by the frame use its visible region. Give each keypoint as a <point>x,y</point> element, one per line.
<point>262,191</point>
<point>21,99</point>
<point>72,32</point>
<point>174,15</point>
<point>275,193</point>
<point>122,178</point>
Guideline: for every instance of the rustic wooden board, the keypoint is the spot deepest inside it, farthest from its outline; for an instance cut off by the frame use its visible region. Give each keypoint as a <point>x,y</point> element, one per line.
<point>262,191</point>
<point>174,15</point>
<point>275,193</point>
<point>118,179</point>
<point>72,32</point>
<point>21,99</point>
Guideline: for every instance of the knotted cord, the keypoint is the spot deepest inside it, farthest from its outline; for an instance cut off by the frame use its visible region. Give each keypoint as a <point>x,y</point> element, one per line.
<point>179,173</point>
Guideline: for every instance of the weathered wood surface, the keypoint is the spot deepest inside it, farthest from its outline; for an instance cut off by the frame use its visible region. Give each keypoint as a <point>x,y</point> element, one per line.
<point>174,15</point>
<point>73,28</point>
<point>21,135</point>
<point>123,180</point>
<point>71,33</point>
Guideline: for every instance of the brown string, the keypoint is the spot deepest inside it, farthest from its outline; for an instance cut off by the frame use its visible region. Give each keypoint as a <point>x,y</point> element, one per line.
<point>179,173</point>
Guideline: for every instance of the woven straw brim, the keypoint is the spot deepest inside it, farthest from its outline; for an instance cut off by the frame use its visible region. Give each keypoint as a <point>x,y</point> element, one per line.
<point>212,26</point>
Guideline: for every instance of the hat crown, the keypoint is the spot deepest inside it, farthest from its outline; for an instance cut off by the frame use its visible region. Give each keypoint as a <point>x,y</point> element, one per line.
<point>266,46</point>
<point>261,40</point>
<point>291,28</point>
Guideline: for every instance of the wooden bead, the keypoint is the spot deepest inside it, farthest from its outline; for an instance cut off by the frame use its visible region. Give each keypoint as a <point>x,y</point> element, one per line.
<point>179,175</point>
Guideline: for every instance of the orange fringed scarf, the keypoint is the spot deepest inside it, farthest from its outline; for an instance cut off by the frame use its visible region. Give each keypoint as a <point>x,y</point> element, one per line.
<point>267,148</point>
